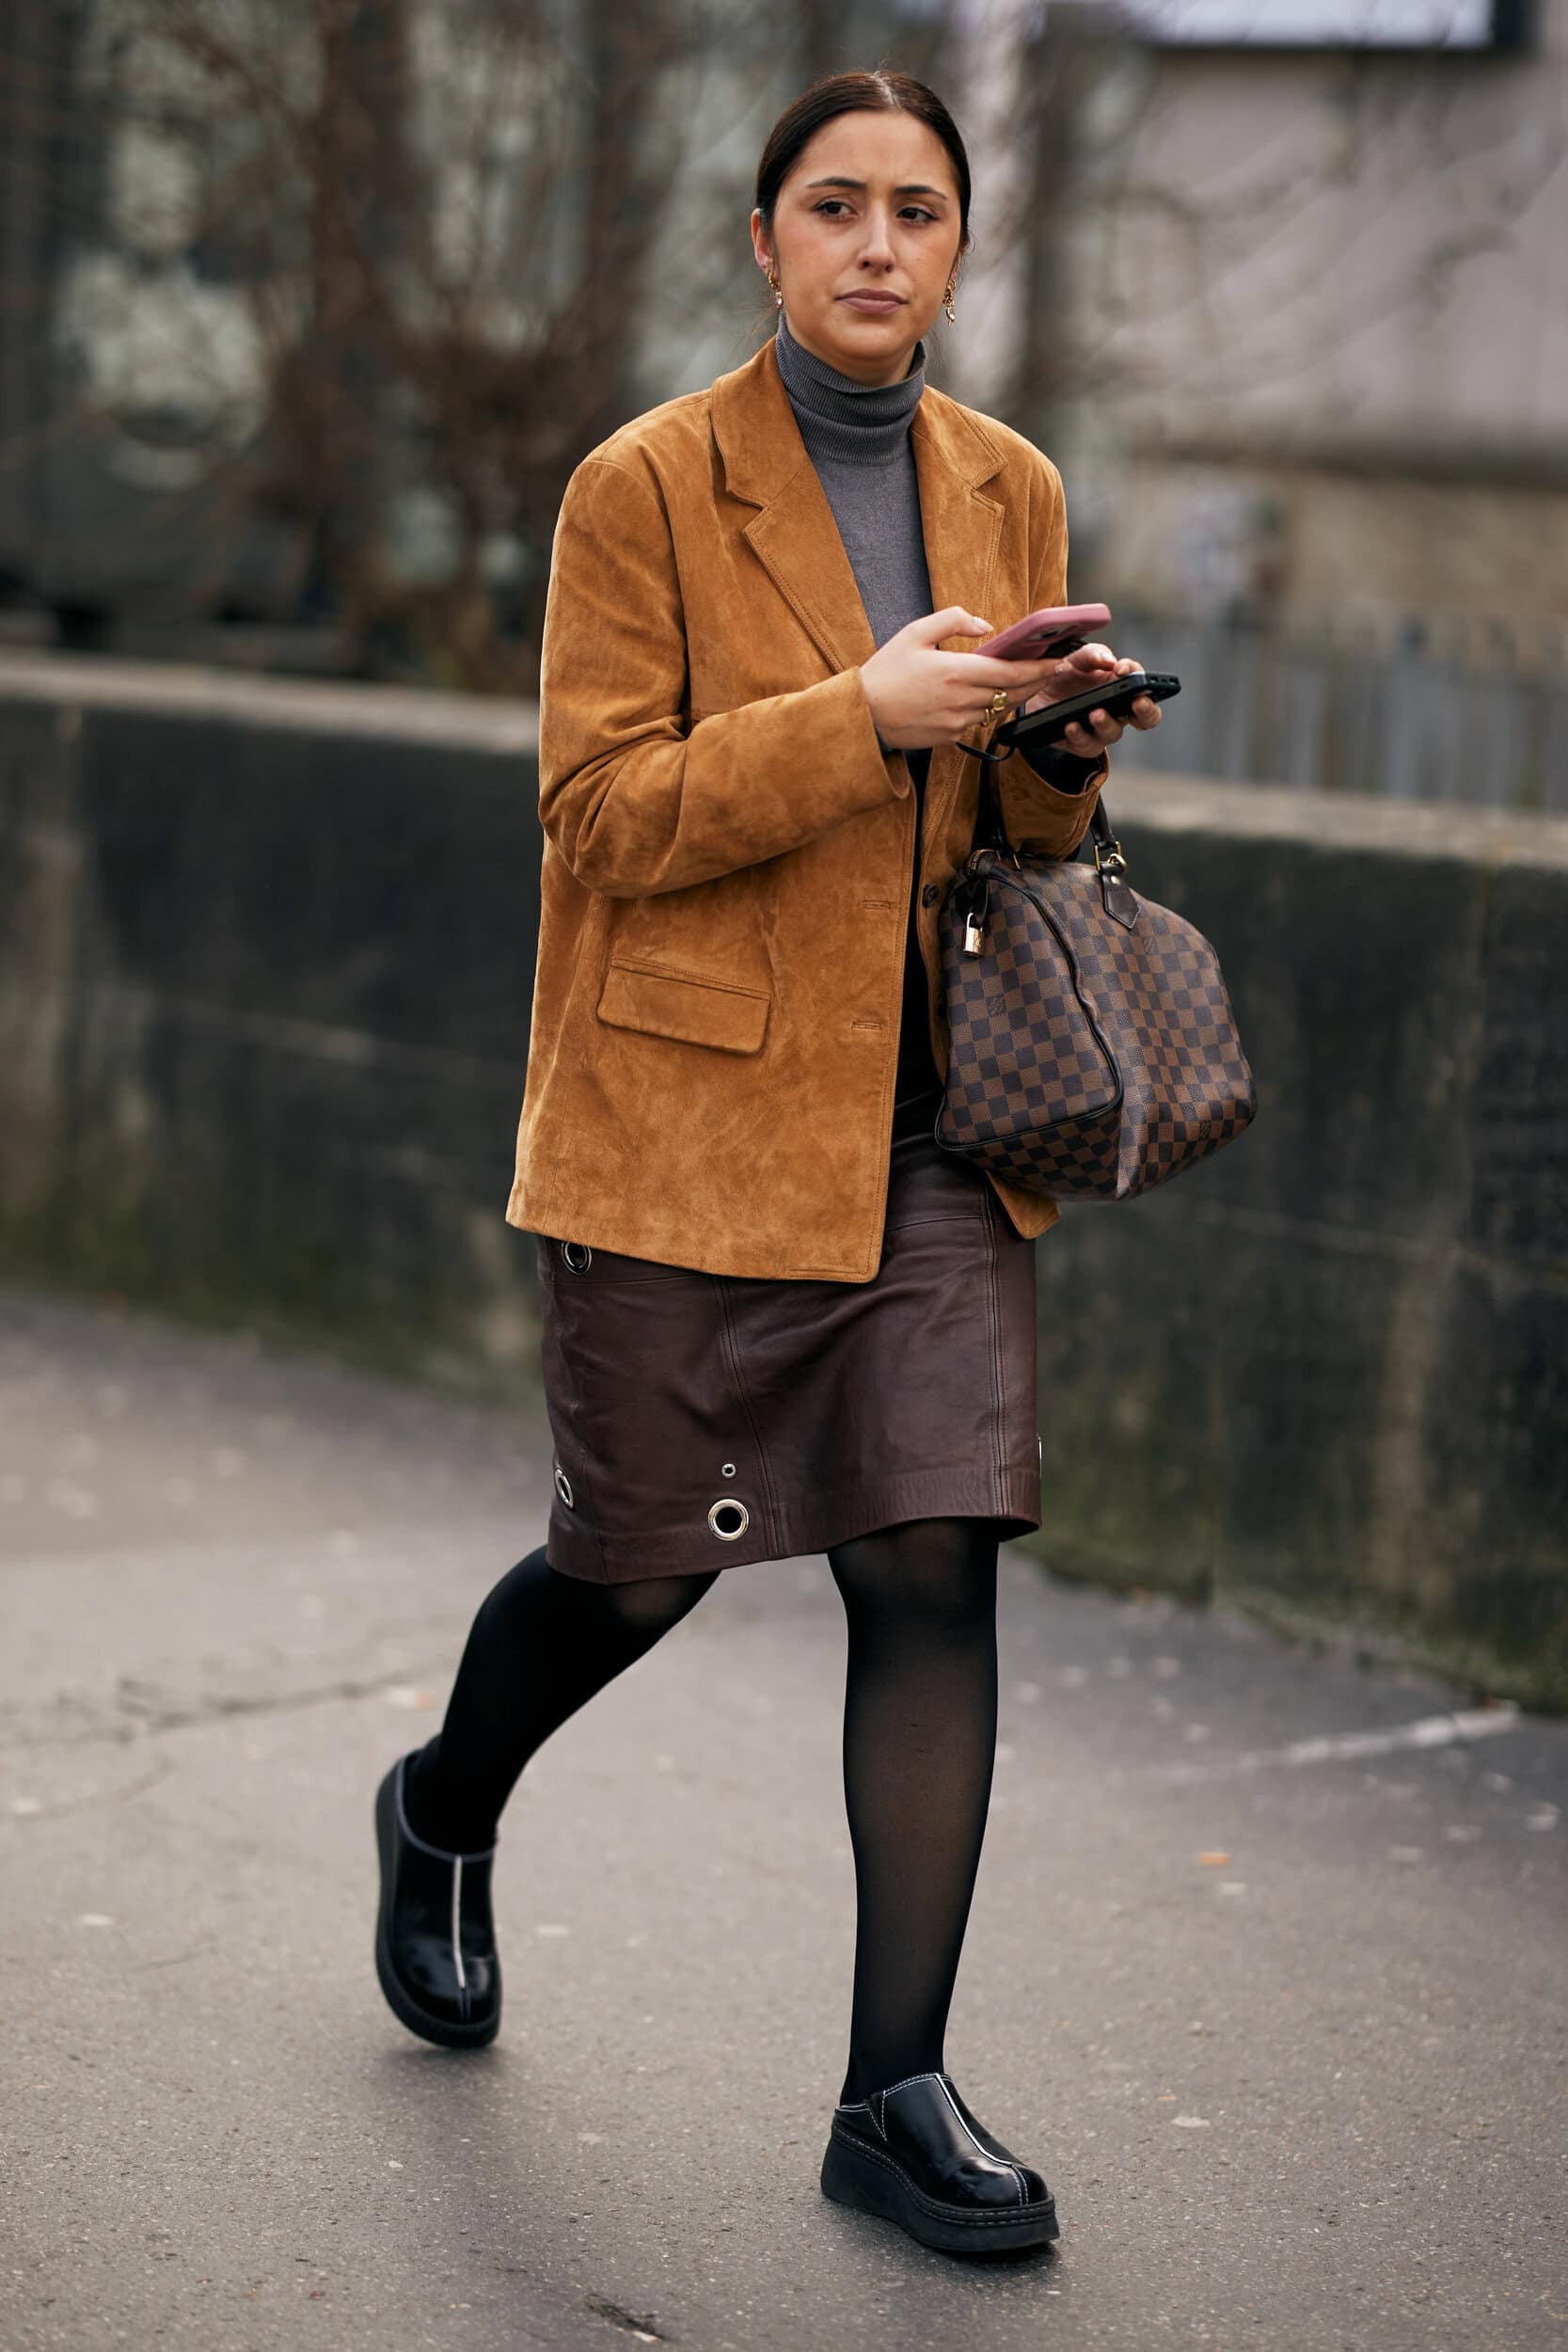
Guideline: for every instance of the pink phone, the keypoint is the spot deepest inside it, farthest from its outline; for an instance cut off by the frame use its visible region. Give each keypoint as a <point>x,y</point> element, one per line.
<point>1060,629</point>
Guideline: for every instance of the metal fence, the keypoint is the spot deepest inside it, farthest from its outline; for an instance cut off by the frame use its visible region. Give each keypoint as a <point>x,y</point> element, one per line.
<point>1445,718</point>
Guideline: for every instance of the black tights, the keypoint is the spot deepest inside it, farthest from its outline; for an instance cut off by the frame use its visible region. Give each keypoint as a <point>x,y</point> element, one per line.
<point>919,1745</point>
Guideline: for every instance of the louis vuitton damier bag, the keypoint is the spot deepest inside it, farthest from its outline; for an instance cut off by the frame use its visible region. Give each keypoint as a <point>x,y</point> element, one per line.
<point>1093,1050</point>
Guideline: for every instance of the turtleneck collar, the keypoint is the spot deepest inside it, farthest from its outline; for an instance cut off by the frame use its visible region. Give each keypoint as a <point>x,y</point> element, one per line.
<point>848,423</point>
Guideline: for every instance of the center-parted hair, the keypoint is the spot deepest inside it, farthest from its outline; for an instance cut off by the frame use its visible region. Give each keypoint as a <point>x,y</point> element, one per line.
<point>856,93</point>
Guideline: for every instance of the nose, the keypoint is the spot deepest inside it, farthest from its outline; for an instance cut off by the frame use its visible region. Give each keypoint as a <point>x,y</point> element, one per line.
<point>877,251</point>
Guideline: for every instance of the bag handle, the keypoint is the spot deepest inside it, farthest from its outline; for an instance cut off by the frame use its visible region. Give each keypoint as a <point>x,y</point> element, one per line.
<point>1120,900</point>
<point>990,828</point>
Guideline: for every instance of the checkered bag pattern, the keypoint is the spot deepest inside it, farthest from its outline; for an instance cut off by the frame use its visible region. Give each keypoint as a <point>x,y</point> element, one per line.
<point>1089,1059</point>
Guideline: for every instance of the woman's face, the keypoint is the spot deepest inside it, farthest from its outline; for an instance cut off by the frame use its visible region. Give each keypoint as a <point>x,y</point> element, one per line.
<point>864,236</point>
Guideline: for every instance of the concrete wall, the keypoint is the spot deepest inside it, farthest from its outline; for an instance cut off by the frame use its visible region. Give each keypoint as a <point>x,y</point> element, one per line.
<point>266,961</point>
<point>265,971</point>
<point>1328,1371</point>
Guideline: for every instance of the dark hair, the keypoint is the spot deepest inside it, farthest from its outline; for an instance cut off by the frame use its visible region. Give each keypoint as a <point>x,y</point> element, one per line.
<point>854,93</point>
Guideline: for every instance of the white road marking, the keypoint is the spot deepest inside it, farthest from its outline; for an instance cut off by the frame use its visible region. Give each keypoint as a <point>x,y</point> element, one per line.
<point>1428,1731</point>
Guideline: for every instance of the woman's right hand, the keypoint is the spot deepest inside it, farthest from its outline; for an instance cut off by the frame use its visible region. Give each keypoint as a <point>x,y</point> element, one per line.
<point>920,695</point>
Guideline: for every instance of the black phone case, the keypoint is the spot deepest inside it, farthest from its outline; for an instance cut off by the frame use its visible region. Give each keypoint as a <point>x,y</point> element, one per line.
<point>1042,727</point>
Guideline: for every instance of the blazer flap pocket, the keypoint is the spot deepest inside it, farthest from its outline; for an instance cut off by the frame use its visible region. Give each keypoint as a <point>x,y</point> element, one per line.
<point>680,1004</point>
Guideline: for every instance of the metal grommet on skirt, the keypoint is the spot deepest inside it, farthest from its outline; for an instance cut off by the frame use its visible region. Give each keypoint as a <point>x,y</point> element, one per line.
<point>827,1408</point>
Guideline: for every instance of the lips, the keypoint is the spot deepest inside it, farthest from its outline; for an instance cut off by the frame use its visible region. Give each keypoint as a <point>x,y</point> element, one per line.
<point>879,302</point>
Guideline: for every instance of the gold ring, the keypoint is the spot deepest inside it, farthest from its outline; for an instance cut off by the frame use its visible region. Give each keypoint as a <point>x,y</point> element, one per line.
<point>997,704</point>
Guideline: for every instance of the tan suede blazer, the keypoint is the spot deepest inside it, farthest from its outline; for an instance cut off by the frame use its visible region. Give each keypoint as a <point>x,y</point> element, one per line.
<point>728,849</point>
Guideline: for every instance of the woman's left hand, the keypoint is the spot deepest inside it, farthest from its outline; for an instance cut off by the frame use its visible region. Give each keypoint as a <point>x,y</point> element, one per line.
<point>1077,672</point>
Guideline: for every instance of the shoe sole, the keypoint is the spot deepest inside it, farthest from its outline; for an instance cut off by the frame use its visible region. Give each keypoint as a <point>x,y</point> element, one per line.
<point>872,2183</point>
<point>404,2007</point>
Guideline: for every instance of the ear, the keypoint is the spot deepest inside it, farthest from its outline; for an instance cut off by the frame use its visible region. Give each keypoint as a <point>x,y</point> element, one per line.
<point>761,243</point>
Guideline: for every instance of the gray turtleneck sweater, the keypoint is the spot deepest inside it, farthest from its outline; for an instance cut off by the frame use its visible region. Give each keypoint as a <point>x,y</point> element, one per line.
<point>857,435</point>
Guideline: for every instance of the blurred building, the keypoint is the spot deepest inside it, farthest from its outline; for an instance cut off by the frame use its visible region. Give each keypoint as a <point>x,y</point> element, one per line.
<point>314,338</point>
<point>134,380</point>
<point>1284,289</point>
<point>297,326</point>
<point>1316,304</point>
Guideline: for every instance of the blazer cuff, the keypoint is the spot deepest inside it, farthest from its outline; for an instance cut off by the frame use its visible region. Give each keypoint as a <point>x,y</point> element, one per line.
<point>1064,770</point>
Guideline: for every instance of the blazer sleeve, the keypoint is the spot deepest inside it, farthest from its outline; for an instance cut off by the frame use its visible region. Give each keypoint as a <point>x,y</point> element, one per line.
<point>636,798</point>
<point>1053,817</point>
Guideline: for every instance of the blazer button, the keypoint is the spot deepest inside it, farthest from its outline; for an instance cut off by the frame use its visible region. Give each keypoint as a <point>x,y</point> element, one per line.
<point>929,896</point>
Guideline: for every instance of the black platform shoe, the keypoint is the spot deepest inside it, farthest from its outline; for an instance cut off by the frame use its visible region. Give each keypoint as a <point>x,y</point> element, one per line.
<point>435,1940</point>
<point>915,2155</point>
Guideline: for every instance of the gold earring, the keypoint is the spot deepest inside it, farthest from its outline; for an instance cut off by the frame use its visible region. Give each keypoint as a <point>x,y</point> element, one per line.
<point>948,302</point>
<point>777,298</point>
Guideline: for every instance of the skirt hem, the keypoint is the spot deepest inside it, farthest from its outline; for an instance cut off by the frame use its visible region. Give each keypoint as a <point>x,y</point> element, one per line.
<point>816,1412</point>
<point>803,1530</point>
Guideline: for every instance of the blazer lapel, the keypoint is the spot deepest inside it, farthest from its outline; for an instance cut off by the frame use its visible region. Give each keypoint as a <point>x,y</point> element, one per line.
<point>797,541</point>
<point>794,536</point>
<point>954,456</point>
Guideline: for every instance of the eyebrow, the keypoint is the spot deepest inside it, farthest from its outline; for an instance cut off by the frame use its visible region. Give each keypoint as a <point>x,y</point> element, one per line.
<point>913,187</point>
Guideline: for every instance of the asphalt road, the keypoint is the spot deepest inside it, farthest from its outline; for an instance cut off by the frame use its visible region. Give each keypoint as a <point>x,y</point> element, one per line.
<point>1269,1984</point>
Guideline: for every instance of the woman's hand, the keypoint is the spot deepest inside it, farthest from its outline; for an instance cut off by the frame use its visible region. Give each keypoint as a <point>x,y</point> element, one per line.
<point>920,695</point>
<point>1075,674</point>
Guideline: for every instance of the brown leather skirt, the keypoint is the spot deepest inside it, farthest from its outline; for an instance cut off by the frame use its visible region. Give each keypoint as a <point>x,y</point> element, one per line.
<point>704,1421</point>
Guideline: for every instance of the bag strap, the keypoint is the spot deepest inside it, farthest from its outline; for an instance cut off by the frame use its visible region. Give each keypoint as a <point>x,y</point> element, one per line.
<point>991,828</point>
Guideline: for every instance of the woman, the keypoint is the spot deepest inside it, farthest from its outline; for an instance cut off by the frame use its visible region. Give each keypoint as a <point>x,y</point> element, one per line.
<point>777,1318</point>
